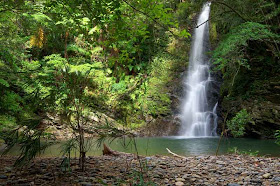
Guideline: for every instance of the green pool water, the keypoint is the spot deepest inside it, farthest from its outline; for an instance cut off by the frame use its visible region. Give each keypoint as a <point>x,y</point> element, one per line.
<point>181,146</point>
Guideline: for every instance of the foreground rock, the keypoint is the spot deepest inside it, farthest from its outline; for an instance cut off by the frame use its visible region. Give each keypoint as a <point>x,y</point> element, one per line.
<point>162,170</point>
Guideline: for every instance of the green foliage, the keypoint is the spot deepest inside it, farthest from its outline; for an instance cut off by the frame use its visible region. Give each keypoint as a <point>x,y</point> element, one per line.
<point>4,83</point>
<point>7,122</point>
<point>157,100</point>
<point>235,150</point>
<point>73,58</point>
<point>139,180</point>
<point>30,138</point>
<point>277,135</point>
<point>247,43</point>
<point>231,49</point>
<point>66,149</point>
<point>186,11</point>
<point>11,102</point>
<point>119,87</point>
<point>238,123</point>
<point>139,177</point>
<point>229,14</point>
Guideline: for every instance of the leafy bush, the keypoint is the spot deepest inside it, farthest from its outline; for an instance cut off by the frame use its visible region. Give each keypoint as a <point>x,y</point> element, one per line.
<point>231,48</point>
<point>119,87</point>
<point>10,102</point>
<point>7,121</point>
<point>156,100</point>
<point>237,124</point>
<point>236,54</point>
<point>277,135</point>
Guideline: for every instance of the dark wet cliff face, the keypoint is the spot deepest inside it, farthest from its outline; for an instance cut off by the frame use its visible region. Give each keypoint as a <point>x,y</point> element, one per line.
<point>258,91</point>
<point>265,116</point>
<point>250,66</point>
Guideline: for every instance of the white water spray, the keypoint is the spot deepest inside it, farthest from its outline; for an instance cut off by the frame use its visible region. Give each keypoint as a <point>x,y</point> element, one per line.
<point>198,118</point>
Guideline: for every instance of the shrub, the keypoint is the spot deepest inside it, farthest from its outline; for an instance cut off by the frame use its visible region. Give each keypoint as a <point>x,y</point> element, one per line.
<point>277,135</point>
<point>237,124</point>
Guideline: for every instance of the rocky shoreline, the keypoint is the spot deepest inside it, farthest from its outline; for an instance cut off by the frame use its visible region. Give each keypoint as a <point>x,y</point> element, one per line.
<point>231,170</point>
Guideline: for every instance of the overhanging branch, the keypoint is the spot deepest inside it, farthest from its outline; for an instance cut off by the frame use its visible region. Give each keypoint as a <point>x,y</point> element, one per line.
<point>202,23</point>
<point>150,17</point>
<point>236,12</point>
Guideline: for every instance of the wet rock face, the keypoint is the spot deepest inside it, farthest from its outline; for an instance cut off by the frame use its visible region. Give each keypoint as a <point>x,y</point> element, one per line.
<point>265,116</point>
<point>258,91</point>
<point>161,127</point>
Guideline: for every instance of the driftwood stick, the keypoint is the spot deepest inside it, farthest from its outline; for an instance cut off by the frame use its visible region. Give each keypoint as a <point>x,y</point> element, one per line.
<point>109,152</point>
<point>176,155</point>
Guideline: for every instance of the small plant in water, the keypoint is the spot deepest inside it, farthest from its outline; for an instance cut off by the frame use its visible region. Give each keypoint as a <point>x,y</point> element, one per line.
<point>235,150</point>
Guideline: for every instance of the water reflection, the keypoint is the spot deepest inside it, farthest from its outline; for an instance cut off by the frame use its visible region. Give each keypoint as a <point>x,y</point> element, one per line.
<point>178,145</point>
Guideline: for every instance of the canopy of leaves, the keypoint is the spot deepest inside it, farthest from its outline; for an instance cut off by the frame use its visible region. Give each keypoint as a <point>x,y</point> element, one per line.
<point>237,40</point>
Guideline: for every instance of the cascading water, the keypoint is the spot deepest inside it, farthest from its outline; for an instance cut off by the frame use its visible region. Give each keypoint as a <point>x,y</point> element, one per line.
<point>198,117</point>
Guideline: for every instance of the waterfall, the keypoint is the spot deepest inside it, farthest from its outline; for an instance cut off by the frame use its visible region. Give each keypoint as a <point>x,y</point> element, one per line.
<point>198,116</point>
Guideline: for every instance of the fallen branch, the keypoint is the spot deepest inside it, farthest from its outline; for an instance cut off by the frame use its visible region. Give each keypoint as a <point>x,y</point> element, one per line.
<point>108,151</point>
<point>176,155</point>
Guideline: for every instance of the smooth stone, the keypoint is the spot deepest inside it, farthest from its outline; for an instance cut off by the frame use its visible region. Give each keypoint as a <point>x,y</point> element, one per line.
<point>22,180</point>
<point>104,181</point>
<point>179,183</point>
<point>156,176</point>
<point>3,177</point>
<point>180,179</point>
<point>86,184</point>
<point>43,165</point>
<point>267,175</point>
<point>8,169</point>
<point>196,176</point>
<point>276,179</point>
<point>48,174</point>
<point>186,176</point>
<point>46,178</point>
<point>81,178</point>
<point>148,158</point>
<point>220,162</point>
<point>256,180</point>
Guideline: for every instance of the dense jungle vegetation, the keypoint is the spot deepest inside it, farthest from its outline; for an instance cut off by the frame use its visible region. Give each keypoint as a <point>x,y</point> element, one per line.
<point>113,67</point>
<point>245,38</point>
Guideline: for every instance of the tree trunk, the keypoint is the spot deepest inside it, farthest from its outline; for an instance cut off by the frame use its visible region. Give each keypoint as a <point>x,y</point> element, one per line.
<point>82,159</point>
<point>65,44</point>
